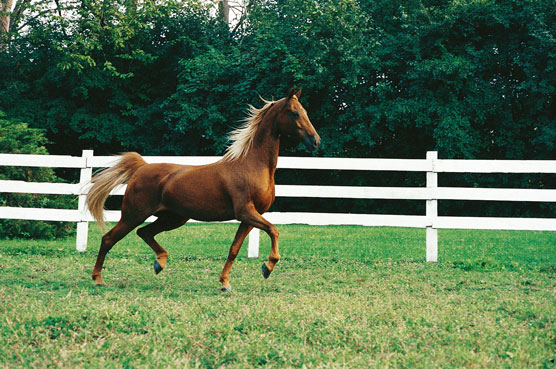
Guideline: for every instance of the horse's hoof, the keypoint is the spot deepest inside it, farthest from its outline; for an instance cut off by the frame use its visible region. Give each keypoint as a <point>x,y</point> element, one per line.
<point>266,271</point>
<point>224,289</point>
<point>97,279</point>
<point>157,267</point>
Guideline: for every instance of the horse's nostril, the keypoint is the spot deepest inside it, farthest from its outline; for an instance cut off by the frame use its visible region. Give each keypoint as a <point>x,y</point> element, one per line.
<point>316,142</point>
<point>311,142</point>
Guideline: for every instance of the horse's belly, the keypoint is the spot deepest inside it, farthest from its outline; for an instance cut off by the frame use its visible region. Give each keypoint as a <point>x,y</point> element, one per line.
<point>204,208</point>
<point>207,215</point>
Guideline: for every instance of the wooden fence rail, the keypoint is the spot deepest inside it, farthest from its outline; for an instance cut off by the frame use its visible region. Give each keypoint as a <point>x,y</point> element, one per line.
<point>431,193</point>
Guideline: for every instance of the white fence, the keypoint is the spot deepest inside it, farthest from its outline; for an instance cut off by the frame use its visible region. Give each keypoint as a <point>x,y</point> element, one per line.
<point>431,193</point>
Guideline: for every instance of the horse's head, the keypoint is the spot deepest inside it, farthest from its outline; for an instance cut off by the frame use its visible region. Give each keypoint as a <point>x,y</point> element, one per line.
<point>292,120</point>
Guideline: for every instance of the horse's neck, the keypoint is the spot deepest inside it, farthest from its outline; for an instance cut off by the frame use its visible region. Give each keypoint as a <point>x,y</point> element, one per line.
<point>266,146</point>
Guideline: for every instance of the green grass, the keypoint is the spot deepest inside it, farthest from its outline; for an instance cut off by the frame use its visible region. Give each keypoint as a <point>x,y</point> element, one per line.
<point>349,297</point>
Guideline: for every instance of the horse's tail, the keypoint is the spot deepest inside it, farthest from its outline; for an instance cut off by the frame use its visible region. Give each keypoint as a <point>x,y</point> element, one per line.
<point>107,180</point>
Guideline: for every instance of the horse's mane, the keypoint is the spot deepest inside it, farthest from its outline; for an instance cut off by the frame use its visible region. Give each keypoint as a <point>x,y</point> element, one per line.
<point>241,138</point>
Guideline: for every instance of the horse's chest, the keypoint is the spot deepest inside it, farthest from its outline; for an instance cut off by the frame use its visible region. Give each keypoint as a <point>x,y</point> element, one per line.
<point>263,196</point>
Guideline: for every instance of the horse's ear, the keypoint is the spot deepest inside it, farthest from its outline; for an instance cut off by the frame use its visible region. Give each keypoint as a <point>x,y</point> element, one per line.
<point>298,93</point>
<point>290,94</point>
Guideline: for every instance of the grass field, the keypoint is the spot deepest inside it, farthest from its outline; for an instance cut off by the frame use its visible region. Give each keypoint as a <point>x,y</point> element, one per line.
<point>349,297</point>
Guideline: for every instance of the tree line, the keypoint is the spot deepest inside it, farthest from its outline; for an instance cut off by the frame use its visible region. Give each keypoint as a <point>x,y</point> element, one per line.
<point>380,78</point>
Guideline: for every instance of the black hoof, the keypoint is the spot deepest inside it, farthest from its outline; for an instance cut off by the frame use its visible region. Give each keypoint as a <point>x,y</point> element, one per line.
<point>224,289</point>
<point>266,272</point>
<point>157,267</point>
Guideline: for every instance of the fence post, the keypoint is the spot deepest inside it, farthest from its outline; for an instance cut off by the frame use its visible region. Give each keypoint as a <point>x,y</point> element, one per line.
<point>83,224</point>
<point>253,248</point>
<point>432,210</point>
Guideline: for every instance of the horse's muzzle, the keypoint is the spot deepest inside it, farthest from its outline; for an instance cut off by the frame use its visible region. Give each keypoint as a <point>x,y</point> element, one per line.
<point>311,142</point>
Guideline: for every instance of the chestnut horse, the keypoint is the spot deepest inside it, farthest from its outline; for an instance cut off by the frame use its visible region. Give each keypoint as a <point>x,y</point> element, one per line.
<point>239,186</point>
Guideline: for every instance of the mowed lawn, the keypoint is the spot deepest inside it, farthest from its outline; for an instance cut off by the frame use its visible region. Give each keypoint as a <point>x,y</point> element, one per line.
<point>350,297</point>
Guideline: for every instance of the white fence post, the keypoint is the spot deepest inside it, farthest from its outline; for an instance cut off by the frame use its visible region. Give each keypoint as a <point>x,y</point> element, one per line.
<point>253,248</point>
<point>432,210</point>
<point>83,224</point>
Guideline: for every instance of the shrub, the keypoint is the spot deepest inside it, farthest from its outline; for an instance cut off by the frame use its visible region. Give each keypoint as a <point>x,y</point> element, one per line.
<point>19,138</point>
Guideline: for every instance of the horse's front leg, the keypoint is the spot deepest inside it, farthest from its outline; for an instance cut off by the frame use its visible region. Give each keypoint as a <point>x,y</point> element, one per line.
<point>241,233</point>
<point>251,216</point>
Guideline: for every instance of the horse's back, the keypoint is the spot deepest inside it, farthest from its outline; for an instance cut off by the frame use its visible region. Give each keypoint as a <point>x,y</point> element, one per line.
<point>153,176</point>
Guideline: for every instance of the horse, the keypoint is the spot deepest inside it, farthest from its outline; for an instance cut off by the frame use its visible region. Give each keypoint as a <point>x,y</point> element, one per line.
<point>239,186</point>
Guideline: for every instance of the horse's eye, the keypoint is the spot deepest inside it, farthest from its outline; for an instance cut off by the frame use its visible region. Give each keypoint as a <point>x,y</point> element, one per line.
<point>294,114</point>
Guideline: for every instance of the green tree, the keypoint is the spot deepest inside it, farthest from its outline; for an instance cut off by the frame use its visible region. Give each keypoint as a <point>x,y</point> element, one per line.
<point>99,74</point>
<point>381,78</point>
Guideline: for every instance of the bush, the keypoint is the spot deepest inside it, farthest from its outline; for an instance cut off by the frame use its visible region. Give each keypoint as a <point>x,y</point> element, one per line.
<point>19,138</point>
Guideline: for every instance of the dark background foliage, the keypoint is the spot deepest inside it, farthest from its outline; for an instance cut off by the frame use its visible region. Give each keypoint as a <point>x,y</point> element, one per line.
<point>380,78</point>
<point>19,138</point>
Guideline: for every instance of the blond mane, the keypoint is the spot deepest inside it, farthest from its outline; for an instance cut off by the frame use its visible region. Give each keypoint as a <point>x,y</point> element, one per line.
<point>241,138</point>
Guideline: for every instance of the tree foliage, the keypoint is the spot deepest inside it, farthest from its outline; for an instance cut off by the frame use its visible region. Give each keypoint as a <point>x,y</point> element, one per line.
<point>99,76</point>
<point>18,138</point>
<point>381,78</point>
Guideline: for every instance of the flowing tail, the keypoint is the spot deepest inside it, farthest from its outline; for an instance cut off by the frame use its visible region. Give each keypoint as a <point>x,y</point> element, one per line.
<point>107,180</point>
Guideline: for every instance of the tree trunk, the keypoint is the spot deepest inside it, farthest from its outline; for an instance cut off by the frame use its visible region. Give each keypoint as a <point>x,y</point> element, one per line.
<point>224,10</point>
<point>5,13</point>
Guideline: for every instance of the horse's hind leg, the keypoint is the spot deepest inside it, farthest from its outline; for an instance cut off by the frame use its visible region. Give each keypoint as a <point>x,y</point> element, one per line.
<point>108,240</point>
<point>165,222</point>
